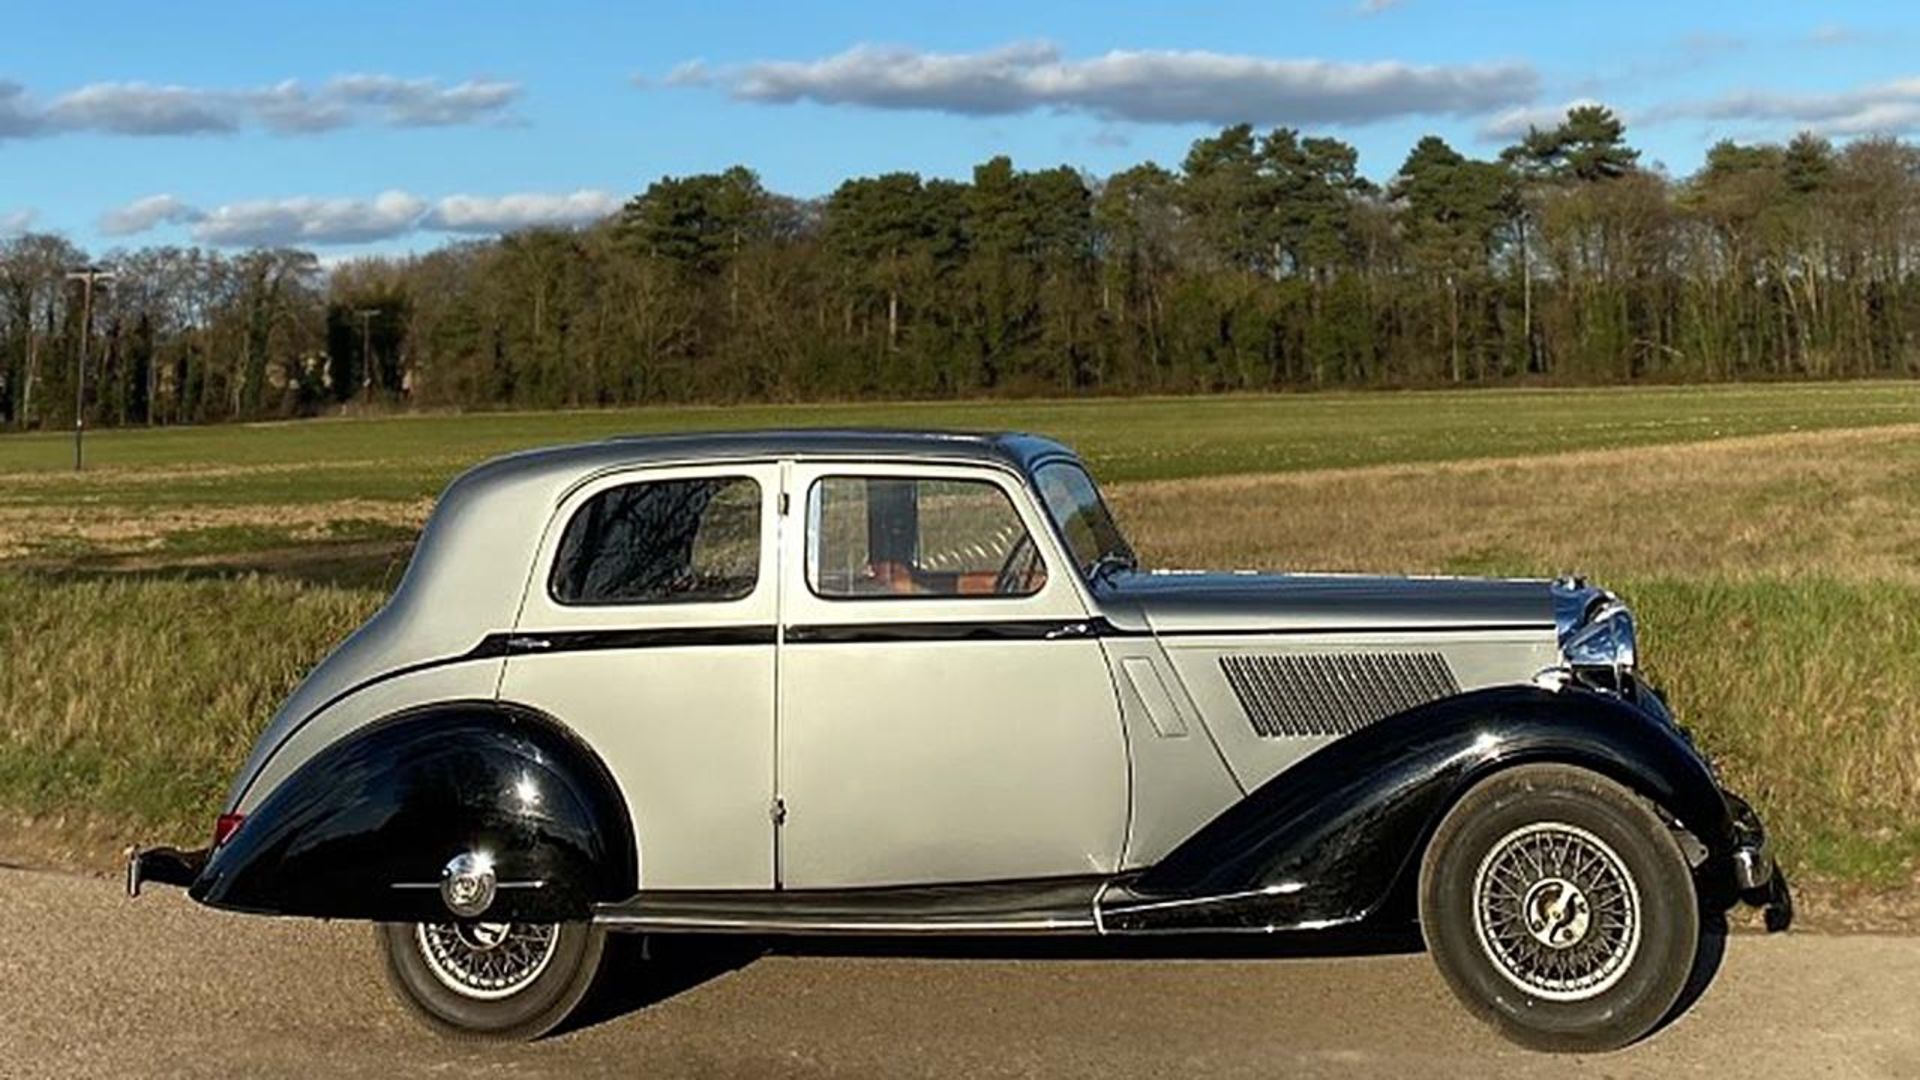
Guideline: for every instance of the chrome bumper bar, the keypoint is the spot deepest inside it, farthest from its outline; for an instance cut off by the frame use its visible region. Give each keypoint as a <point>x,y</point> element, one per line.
<point>165,866</point>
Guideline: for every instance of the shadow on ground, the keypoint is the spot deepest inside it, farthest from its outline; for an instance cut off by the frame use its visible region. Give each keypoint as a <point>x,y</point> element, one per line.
<point>641,971</point>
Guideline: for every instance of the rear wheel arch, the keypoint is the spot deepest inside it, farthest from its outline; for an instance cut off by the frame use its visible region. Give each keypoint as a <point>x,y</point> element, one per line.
<point>365,828</point>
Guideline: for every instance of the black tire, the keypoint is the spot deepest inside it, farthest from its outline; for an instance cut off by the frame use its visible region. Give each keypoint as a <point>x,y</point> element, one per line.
<point>1506,917</point>
<point>524,1008</point>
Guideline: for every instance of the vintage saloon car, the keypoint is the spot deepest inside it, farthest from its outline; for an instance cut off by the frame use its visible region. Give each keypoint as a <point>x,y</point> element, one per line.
<point>800,683</point>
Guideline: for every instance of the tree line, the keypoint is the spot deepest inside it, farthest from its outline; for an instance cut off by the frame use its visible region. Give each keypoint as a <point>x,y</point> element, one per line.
<point>1266,261</point>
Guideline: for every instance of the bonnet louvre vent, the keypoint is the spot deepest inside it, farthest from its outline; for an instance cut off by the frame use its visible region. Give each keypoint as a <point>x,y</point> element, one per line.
<point>1333,694</point>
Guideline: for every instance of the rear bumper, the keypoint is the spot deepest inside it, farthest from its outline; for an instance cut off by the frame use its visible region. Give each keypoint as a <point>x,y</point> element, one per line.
<point>164,866</point>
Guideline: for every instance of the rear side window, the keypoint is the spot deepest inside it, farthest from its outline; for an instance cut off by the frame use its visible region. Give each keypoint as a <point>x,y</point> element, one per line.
<point>873,537</point>
<point>662,542</point>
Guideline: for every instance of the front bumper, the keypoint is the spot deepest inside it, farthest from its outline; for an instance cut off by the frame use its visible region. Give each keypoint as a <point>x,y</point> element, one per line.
<point>164,866</point>
<point>1755,874</point>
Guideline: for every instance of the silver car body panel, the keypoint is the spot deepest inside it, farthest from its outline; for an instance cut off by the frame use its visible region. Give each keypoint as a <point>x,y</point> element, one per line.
<point>1094,747</point>
<point>686,729</point>
<point>915,761</point>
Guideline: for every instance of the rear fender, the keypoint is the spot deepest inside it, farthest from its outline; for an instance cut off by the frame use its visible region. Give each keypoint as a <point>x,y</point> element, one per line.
<point>365,829</point>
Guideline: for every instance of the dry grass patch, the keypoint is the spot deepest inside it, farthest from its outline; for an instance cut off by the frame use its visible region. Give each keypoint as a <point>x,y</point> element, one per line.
<point>135,699</point>
<point>1844,505</point>
<point>77,530</point>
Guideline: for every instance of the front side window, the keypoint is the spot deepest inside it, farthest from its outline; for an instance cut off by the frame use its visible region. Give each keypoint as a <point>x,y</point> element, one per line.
<point>874,537</point>
<point>1082,517</point>
<point>662,542</point>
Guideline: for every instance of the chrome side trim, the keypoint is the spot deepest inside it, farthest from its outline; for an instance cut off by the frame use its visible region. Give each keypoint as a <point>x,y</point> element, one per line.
<point>721,925</point>
<point>497,885</point>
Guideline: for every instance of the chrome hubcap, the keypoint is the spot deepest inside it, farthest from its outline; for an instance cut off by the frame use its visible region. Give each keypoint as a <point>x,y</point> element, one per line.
<point>1556,911</point>
<point>486,960</point>
<point>1558,915</point>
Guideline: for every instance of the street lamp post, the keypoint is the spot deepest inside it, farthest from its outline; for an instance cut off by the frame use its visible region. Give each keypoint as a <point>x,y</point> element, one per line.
<point>88,275</point>
<point>366,346</point>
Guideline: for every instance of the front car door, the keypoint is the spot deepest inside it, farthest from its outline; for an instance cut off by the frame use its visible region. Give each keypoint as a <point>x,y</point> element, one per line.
<point>944,715</point>
<point>649,629</point>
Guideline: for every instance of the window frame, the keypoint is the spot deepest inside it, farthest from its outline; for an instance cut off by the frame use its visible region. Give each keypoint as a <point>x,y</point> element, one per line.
<point>640,479</point>
<point>1058,528</point>
<point>810,534</point>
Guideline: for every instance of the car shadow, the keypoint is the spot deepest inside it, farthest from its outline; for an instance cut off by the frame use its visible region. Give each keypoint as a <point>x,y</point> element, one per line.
<point>641,971</point>
<point>1706,964</point>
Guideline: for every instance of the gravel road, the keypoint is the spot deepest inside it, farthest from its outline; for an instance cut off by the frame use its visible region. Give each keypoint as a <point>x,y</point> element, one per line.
<point>94,984</point>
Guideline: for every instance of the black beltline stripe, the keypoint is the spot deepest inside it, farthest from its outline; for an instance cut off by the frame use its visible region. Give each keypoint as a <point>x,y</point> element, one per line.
<point>503,644</point>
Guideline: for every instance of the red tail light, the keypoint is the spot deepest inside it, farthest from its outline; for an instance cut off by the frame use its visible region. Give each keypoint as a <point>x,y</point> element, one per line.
<point>225,826</point>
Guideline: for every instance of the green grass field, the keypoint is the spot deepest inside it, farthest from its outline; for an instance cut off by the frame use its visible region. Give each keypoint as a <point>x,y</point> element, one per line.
<point>154,609</point>
<point>1126,439</point>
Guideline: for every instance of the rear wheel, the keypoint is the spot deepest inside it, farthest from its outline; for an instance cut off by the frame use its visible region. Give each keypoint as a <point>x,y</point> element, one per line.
<point>492,980</point>
<point>1560,909</point>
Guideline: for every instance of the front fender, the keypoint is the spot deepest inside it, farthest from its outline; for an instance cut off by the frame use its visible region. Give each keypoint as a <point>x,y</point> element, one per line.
<point>364,829</point>
<point>1326,841</point>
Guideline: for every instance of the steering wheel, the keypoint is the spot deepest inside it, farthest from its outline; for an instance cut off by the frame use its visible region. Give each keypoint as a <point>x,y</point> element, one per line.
<point>1018,568</point>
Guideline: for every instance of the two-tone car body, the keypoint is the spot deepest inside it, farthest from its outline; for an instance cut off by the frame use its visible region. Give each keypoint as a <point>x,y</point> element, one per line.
<point>913,683</point>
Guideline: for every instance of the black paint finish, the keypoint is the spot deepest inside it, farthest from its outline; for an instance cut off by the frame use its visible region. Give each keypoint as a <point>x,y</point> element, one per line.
<point>1328,841</point>
<point>391,804</point>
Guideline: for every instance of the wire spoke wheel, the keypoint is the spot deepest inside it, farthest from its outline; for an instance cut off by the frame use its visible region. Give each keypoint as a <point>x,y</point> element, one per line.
<point>1557,911</point>
<point>486,960</point>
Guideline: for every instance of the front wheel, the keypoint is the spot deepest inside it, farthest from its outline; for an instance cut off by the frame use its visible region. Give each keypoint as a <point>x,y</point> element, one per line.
<point>1560,909</point>
<point>491,980</point>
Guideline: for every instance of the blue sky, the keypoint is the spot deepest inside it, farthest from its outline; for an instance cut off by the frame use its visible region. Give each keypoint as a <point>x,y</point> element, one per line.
<point>355,127</point>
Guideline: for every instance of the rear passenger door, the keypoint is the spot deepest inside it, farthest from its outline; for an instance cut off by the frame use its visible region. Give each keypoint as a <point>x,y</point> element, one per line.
<point>649,628</point>
<point>944,713</point>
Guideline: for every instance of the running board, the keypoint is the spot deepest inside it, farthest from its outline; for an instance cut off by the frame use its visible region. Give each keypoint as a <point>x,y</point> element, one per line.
<point>1054,906</point>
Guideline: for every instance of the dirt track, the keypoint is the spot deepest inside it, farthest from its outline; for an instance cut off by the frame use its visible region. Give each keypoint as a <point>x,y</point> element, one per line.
<point>94,984</point>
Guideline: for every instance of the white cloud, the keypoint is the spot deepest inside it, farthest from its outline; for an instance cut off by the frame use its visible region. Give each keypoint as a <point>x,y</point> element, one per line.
<point>1889,108</point>
<point>17,115</point>
<point>1153,86</point>
<point>140,109</point>
<point>688,73</point>
<point>504,213</point>
<point>1833,34</point>
<point>287,107</point>
<point>423,102</point>
<point>141,215</point>
<point>1510,124</point>
<point>305,220</point>
<point>15,222</point>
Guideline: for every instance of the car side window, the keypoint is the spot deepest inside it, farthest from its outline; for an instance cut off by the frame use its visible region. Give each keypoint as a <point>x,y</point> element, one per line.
<point>661,542</point>
<point>873,537</point>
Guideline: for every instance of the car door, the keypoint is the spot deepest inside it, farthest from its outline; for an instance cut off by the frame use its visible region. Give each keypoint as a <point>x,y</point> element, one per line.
<point>649,629</point>
<point>940,720</point>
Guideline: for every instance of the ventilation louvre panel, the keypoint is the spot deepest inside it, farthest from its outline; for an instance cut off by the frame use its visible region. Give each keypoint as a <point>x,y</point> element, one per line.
<point>1334,693</point>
